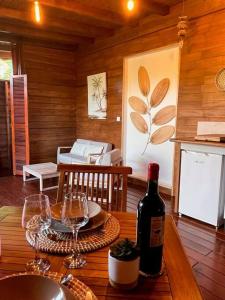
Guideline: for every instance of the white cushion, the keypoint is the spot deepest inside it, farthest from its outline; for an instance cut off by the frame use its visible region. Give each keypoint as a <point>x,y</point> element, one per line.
<point>92,149</point>
<point>78,149</point>
<point>106,146</point>
<point>69,158</point>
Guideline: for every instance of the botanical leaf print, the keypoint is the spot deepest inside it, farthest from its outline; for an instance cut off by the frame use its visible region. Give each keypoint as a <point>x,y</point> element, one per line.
<point>144,107</point>
<point>162,134</point>
<point>139,122</point>
<point>164,115</point>
<point>159,92</point>
<point>138,105</point>
<point>144,81</point>
<point>99,93</point>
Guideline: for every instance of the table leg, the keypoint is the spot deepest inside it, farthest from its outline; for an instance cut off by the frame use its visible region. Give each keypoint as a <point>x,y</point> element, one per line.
<point>24,175</point>
<point>41,183</point>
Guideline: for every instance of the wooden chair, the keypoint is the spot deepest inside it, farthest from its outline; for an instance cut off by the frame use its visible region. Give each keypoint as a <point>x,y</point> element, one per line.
<point>106,185</point>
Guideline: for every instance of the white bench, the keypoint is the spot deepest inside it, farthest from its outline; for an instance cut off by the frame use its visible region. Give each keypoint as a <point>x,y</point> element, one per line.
<point>41,171</point>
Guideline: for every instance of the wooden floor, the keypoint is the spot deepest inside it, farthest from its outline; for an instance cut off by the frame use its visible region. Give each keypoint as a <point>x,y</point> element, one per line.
<point>204,246</point>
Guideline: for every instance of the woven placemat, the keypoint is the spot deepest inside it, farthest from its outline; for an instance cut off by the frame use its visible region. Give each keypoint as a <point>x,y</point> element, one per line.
<point>77,288</point>
<point>220,80</point>
<point>61,243</point>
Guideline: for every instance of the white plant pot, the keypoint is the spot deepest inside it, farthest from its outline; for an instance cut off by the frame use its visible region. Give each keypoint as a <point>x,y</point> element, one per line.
<point>123,274</point>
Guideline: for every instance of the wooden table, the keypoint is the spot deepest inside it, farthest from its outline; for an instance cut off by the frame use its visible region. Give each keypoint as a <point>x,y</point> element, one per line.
<point>177,282</point>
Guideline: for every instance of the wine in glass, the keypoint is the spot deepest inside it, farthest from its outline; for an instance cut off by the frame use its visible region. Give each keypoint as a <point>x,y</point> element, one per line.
<point>74,216</point>
<point>36,217</point>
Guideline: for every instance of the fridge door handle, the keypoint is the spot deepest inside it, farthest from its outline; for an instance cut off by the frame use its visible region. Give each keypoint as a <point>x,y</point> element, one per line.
<point>197,153</point>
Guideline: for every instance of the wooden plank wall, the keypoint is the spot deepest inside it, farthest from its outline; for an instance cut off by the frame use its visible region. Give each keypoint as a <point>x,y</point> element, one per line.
<point>202,56</point>
<point>19,123</point>
<point>51,80</point>
<point>5,146</point>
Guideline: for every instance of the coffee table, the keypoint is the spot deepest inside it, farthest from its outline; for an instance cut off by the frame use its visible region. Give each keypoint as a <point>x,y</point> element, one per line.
<point>41,171</point>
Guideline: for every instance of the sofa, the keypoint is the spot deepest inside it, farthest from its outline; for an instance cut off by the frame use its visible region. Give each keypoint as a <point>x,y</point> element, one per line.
<point>89,152</point>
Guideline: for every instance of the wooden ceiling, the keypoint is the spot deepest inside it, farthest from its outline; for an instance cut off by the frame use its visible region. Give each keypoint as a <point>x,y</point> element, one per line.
<point>75,22</point>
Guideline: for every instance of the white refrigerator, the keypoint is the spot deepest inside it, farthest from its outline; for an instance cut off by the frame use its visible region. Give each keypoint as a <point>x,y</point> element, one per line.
<point>202,186</point>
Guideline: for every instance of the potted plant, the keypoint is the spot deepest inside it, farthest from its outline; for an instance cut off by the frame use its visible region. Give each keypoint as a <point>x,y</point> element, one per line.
<point>123,260</point>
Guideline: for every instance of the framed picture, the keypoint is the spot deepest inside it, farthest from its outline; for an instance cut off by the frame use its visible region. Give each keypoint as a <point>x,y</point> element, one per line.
<point>150,105</point>
<point>97,96</point>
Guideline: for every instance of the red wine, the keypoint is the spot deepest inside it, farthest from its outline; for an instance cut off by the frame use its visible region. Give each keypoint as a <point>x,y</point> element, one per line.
<point>150,225</point>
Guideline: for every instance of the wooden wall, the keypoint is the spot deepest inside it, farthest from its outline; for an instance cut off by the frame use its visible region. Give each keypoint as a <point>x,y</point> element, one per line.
<point>202,56</point>
<point>51,81</point>
<point>57,79</point>
<point>110,59</point>
<point>5,138</point>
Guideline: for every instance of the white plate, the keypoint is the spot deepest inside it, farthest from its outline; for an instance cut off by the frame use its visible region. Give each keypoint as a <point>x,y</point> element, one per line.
<point>93,210</point>
<point>93,223</point>
<point>30,287</point>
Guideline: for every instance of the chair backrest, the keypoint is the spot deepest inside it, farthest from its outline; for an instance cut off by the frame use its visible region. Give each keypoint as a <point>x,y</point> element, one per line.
<point>106,185</point>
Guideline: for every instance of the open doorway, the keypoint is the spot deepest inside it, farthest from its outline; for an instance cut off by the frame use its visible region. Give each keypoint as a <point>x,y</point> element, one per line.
<point>6,71</point>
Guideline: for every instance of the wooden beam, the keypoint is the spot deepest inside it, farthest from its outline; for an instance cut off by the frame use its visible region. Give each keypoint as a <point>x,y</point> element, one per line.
<point>43,35</point>
<point>11,39</point>
<point>56,24</point>
<point>156,8</point>
<point>5,51</point>
<point>8,38</point>
<point>49,44</point>
<point>86,10</point>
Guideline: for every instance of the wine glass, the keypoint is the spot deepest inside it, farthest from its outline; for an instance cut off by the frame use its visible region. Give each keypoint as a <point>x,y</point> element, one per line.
<point>74,216</point>
<point>36,217</point>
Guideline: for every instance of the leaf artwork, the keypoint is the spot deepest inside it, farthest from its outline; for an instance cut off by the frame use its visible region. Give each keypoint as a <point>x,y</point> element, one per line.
<point>99,93</point>
<point>165,115</point>
<point>139,122</point>
<point>160,92</point>
<point>162,134</point>
<point>138,105</point>
<point>144,107</point>
<point>144,81</point>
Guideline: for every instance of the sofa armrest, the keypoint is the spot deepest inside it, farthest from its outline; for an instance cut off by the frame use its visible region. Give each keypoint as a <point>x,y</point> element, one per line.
<point>59,150</point>
<point>92,157</point>
<point>63,147</point>
<point>111,158</point>
<point>117,162</point>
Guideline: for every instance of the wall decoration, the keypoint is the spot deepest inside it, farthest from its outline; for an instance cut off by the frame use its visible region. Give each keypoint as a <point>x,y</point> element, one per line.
<point>182,27</point>
<point>97,96</point>
<point>163,116</point>
<point>151,90</point>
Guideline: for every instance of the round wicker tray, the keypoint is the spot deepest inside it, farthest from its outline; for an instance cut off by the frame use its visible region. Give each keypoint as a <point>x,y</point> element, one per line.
<point>220,80</point>
<point>77,288</point>
<point>61,243</point>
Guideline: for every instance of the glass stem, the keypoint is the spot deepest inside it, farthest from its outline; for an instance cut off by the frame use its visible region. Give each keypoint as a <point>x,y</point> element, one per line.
<point>36,257</point>
<point>75,236</point>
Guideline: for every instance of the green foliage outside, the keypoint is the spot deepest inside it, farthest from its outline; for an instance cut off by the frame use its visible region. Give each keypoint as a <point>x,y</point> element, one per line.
<point>6,69</point>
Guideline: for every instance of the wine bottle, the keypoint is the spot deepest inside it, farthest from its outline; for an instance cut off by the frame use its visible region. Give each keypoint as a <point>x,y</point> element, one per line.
<point>150,225</point>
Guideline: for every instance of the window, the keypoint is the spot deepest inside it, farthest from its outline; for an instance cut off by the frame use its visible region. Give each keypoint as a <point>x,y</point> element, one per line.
<point>6,69</point>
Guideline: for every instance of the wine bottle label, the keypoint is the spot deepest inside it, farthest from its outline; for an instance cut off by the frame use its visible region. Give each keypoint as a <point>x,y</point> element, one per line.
<point>157,231</point>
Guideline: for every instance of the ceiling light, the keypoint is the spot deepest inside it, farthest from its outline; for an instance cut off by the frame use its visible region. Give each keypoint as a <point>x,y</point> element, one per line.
<point>37,12</point>
<point>130,5</point>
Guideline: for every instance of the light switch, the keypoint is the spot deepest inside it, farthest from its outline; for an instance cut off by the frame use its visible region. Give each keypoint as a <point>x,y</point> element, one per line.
<point>117,119</point>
